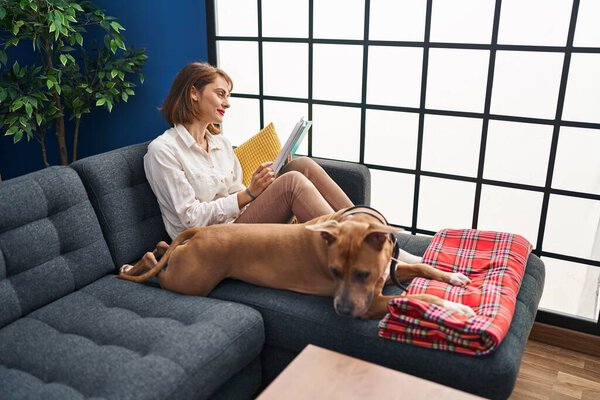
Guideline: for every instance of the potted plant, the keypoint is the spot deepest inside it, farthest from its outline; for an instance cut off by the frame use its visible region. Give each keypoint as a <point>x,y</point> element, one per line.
<point>74,74</point>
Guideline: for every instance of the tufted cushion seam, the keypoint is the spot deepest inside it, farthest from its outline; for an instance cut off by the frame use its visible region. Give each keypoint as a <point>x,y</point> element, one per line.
<point>94,198</point>
<point>65,333</point>
<point>143,316</point>
<point>61,255</point>
<point>41,381</point>
<point>206,365</point>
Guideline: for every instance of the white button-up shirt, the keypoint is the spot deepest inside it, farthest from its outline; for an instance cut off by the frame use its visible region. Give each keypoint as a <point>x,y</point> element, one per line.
<point>194,187</point>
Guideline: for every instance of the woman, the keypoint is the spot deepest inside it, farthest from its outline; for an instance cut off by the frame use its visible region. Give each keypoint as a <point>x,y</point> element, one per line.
<point>197,178</point>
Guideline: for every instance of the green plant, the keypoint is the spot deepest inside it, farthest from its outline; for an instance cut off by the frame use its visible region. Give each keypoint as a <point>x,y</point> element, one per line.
<point>72,76</point>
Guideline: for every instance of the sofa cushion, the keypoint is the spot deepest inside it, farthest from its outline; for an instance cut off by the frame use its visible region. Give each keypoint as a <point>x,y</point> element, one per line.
<point>294,320</point>
<point>126,206</point>
<point>117,339</point>
<point>50,241</point>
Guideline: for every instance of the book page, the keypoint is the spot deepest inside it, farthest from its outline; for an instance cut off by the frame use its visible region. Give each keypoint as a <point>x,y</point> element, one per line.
<point>292,143</point>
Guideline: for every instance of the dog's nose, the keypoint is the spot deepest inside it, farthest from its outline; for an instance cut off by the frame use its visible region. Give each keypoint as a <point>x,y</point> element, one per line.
<point>344,308</point>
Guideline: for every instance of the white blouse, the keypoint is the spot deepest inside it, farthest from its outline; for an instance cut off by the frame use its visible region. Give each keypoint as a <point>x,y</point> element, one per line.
<point>194,187</point>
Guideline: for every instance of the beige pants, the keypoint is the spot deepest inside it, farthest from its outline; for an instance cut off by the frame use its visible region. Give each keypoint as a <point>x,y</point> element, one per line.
<point>303,189</point>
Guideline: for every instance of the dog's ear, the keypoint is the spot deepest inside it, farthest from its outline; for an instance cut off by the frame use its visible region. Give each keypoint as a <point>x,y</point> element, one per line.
<point>378,234</point>
<point>329,230</point>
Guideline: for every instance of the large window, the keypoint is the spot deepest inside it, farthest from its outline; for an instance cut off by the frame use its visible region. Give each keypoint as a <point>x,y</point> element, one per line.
<point>469,113</point>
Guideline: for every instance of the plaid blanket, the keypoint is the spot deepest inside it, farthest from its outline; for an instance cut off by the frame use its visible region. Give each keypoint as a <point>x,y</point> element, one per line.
<point>495,263</point>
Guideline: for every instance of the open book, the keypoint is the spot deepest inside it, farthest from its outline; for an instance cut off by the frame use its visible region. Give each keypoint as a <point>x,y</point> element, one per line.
<point>291,145</point>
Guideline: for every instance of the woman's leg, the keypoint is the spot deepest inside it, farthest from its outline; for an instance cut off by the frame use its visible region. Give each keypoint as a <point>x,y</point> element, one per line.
<point>330,190</point>
<point>303,190</point>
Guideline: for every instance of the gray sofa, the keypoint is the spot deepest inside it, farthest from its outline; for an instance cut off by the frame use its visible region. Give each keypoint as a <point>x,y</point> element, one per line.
<point>69,329</point>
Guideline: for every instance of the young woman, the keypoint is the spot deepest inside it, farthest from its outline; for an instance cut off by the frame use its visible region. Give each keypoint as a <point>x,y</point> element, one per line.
<point>197,178</point>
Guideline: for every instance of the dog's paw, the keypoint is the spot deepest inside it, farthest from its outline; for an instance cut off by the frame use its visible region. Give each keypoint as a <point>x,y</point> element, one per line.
<point>125,269</point>
<point>459,308</point>
<point>458,279</point>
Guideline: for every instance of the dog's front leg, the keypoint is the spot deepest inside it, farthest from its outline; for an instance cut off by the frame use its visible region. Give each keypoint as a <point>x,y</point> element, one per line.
<point>406,272</point>
<point>379,305</point>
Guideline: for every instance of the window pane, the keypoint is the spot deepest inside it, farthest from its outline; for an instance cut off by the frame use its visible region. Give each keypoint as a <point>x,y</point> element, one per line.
<point>284,116</point>
<point>397,20</point>
<point>285,18</point>
<point>535,22</point>
<point>444,203</point>
<point>510,210</point>
<point>572,227</point>
<point>457,79</point>
<point>337,72</point>
<point>582,102</point>
<point>391,138</point>
<point>462,21</point>
<point>577,164</point>
<point>285,69</point>
<point>451,145</point>
<point>236,18</point>
<point>394,76</point>
<point>587,30</point>
<point>517,152</point>
<point>336,132</point>
<point>526,84</point>
<point>339,19</point>
<point>242,120</point>
<point>571,288</point>
<point>244,74</point>
<point>396,209</point>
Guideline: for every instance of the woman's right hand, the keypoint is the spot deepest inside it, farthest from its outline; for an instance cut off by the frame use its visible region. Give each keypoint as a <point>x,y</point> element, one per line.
<point>261,178</point>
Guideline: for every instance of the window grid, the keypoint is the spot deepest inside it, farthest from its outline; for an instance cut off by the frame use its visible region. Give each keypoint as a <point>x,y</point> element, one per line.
<point>555,318</point>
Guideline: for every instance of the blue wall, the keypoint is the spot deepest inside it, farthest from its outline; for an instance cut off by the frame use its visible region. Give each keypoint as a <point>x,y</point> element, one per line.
<point>174,34</point>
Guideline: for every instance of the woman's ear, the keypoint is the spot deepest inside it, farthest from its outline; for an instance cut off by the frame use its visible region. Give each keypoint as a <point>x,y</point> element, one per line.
<point>194,93</point>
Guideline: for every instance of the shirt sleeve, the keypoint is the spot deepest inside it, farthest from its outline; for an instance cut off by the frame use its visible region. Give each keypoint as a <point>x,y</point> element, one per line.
<point>173,190</point>
<point>238,175</point>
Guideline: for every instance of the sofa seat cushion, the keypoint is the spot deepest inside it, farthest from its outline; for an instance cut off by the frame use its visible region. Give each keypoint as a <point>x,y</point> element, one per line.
<point>117,339</point>
<point>294,320</point>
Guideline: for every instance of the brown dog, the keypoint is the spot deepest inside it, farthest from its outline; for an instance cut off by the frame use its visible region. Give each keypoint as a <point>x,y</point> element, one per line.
<point>344,255</point>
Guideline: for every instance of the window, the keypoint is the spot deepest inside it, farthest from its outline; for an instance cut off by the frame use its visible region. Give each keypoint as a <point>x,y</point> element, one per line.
<point>481,113</point>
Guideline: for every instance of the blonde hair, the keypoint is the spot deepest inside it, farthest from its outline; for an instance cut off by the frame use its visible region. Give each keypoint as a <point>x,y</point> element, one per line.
<point>178,107</point>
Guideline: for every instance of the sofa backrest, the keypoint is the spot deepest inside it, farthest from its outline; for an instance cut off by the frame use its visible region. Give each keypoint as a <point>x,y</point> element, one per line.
<point>50,241</point>
<point>126,207</point>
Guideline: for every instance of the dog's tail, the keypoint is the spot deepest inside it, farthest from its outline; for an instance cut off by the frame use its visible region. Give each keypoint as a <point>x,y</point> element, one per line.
<point>151,273</point>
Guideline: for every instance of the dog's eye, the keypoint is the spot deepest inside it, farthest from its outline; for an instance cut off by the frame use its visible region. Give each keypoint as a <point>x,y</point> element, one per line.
<point>361,275</point>
<point>335,272</point>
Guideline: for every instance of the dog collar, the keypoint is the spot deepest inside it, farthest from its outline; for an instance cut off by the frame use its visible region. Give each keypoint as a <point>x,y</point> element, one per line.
<point>393,264</point>
<point>395,252</point>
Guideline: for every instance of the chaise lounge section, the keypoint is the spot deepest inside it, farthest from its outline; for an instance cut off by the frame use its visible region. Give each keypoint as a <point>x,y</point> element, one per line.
<point>70,329</point>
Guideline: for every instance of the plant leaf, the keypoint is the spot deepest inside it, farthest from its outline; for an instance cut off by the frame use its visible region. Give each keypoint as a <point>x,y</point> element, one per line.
<point>2,12</point>
<point>63,59</point>
<point>101,101</point>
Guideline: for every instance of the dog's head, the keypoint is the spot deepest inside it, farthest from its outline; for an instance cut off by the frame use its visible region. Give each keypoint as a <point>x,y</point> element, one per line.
<point>359,249</point>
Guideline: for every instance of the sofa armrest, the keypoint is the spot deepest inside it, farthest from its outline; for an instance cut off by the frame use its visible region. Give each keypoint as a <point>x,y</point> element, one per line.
<point>353,178</point>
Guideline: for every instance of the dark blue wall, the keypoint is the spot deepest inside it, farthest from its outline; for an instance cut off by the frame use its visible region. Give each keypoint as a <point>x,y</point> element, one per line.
<point>174,34</point>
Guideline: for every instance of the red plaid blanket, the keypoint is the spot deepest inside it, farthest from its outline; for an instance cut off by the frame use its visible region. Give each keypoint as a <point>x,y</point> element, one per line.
<point>495,263</point>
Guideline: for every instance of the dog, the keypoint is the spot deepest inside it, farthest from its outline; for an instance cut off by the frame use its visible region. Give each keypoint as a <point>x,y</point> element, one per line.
<point>344,255</point>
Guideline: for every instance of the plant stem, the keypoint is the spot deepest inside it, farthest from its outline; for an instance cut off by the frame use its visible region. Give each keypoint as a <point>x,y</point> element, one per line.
<point>76,138</point>
<point>42,140</point>
<point>60,121</point>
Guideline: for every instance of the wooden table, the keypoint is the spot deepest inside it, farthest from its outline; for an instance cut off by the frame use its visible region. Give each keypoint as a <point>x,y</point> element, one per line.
<point>317,373</point>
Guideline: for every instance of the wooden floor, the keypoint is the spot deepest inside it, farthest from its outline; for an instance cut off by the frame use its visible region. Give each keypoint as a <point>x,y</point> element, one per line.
<point>549,372</point>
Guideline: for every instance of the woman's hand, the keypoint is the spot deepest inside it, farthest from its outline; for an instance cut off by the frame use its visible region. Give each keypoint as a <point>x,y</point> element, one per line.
<point>261,178</point>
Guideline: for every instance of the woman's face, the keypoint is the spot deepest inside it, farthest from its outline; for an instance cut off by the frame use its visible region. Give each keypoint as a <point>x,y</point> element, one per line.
<point>212,100</point>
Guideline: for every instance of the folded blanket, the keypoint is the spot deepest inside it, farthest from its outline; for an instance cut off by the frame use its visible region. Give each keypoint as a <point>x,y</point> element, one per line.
<point>495,263</point>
